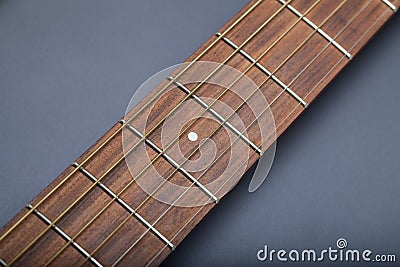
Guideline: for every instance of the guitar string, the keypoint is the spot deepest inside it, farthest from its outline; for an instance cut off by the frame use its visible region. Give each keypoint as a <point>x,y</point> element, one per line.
<point>133,180</point>
<point>148,133</point>
<point>298,105</point>
<point>244,15</point>
<point>170,207</point>
<point>175,170</point>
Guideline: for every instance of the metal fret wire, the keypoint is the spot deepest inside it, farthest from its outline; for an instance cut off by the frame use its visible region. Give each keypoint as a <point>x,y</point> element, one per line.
<point>298,105</point>
<point>145,136</point>
<point>390,4</point>
<point>131,182</point>
<point>294,52</point>
<point>133,116</point>
<point>210,135</point>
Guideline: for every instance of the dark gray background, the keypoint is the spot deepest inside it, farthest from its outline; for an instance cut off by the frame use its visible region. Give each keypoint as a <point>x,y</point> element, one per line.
<point>68,69</point>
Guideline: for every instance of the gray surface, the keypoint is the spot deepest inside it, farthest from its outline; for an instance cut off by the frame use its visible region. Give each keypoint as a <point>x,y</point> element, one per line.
<point>68,68</point>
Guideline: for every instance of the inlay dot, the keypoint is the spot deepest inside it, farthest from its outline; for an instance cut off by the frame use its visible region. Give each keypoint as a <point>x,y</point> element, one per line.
<point>193,136</point>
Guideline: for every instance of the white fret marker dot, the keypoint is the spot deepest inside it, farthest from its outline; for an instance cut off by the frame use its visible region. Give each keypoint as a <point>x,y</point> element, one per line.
<point>193,136</point>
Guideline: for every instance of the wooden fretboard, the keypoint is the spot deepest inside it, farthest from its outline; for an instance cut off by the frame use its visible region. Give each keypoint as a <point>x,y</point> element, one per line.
<point>109,209</point>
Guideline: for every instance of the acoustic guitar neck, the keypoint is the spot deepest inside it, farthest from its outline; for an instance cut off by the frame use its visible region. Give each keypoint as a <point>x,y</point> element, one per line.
<point>134,195</point>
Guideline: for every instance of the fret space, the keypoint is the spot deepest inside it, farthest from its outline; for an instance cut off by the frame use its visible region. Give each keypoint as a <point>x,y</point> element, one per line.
<point>84,211</point>
<point>345,14</point>
<point>65,196</point>
<point>249,25</point>
<point>121,240</point>
<point>41,252</point>
<point>138,252</point>
<point>264,70</point>
<point>351,36</point>
<point>21,237</point>
<point>304,63</point>
<point>58,239</point>
<point>319,13</point>
<point>117,198</point>
<point>311,74</point>
<point>221,110</point>
<point>212,151</point>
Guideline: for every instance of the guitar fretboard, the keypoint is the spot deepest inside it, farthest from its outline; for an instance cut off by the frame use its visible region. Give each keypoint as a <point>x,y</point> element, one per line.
<point>108,208</point>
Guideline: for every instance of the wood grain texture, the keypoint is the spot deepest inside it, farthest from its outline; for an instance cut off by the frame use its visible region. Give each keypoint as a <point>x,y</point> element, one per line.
<point>103,227</point>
